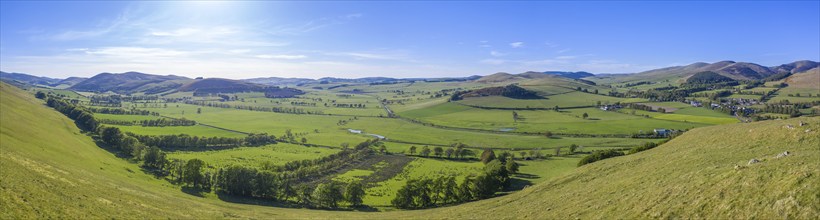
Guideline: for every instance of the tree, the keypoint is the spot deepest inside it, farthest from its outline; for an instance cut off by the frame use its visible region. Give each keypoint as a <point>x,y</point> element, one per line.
<point>425,151</point>
<point>438,151</point>
<point>328,195</point>
<point>304,193</point>
<point>154,158</point>
<point>536,153</point>
<point>450,190</point>
<point>449,152</point>
<point>413,149</point>
<point>111,136</point>
<point>199,110</point>
<point>192,173</point>
<point>572,148</point>
<point>465,192</point>
<point>304,140</point>
<point>487,156</point>
<point>556,109</point>
<point>382,148</point>
<point>585,115</point>
<point>523,154</point>
<point>40,95</point>
<point>466,153</point>
<point>548,134</point>
<point>354,192</point>
<point>512,167</point>
<point>558,151</point>
<point>345,145</point>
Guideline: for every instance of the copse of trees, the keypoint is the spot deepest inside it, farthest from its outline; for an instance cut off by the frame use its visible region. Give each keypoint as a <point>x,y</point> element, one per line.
<point>443,190</point>
<point>645,146</point>
<point>280,182</point>
<point>599,155</point>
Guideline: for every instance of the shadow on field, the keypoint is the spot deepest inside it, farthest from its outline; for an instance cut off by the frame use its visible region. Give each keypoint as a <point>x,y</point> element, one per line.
<point>194,191</point>
<point>254,201</point>
<point>265,202</point>
<point>518,184</point>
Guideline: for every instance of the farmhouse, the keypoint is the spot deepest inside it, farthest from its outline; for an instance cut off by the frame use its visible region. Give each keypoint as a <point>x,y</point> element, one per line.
<point>662,131</point>
<point>610,107</point>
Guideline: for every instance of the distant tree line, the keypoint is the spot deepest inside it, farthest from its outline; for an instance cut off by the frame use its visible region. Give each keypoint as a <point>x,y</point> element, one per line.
<point>160,122</point>
<point>120,111</point>
<point>289,110</point>
<point>185,141</point>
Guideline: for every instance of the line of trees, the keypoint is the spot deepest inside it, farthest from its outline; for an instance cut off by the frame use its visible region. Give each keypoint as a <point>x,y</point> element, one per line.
<point>183,141</point>
<point>120,111</point>
<point>82,116</point>
<point>599,155</point>
<point>160,122</point>
<point>288,110</point>
<point>455,151</point>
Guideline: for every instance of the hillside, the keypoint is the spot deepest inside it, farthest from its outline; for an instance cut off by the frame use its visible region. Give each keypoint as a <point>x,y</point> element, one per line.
<point>70,81</point>
<point>22,77</point>
<point>219,85</point>
<point>731,69</point>
<point>130,82</point>
<point>509,91</point>
<point>809,79</point>
<point>50,170</point>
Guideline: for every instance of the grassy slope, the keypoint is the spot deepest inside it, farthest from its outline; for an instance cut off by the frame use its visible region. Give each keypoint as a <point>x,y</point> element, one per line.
<point>50,170</point>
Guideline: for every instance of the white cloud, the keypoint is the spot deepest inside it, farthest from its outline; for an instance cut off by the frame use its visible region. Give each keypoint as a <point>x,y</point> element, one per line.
<point>182,32</point>
<point>566,57</point>
<point>563,51</point>
<point>516,44</point>
<point>281,56</point>
<point>136,52</point>
<point>497,54</point>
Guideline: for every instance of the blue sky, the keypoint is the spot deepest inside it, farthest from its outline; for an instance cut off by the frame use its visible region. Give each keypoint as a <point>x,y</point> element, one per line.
<point>397,39</point>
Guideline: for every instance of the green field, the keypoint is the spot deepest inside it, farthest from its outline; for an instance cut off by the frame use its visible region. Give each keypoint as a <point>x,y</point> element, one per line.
<point>568,121</point>
<point>277,154</point>
<point>572,99</point>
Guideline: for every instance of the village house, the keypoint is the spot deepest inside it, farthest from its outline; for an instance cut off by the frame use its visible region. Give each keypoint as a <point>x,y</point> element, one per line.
<point>662,132</point>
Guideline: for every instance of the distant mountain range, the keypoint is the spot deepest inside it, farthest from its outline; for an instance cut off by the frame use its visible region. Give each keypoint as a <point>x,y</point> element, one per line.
<point>507,77</point>
<point>136,82</point>
<point>731,69</point>
<point>39,80</point>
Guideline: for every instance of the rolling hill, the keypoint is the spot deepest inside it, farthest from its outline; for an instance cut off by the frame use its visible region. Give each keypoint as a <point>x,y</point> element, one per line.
<point>49,169</point>
<point>809,79</point>
<point>220,85</point>
<point>26,78</point>
<point>130,82</point>
<point>731,69</point>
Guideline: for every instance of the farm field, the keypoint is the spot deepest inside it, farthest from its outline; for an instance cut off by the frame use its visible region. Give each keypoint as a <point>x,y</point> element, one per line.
<point>396,130</point>
<point>196,130</point>
<point>568,100</point>
<point>569,121</point>
<point>277,154</point>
